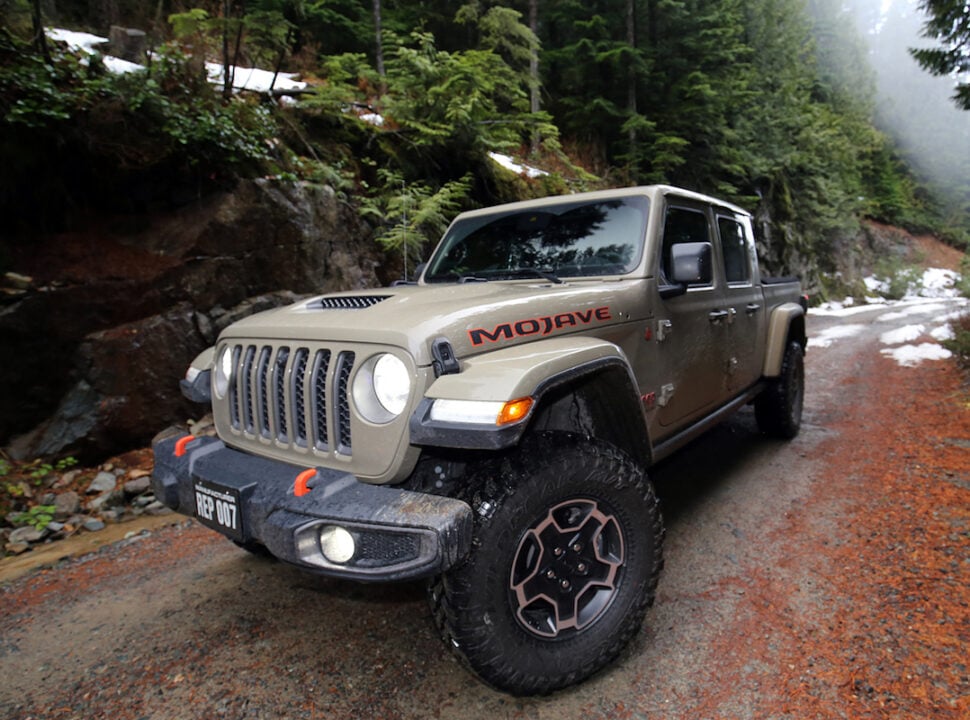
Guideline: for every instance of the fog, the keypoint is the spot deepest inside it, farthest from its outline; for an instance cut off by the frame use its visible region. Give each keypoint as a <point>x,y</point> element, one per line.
<point>913,106</point>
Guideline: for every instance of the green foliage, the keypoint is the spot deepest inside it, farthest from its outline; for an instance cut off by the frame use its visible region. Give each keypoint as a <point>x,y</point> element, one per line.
<point>959,344</point>
<point>38,470</point>
<point>898,277</point>
<point>38,517</point>
<point>949,23</point>
<point>963,284</point>
<point>409,217</point>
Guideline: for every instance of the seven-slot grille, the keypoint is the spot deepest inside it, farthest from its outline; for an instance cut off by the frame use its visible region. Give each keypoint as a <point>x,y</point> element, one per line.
<point>296,396</point>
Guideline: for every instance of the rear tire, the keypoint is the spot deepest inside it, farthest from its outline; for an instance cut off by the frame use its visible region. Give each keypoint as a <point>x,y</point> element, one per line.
<point>778,410</point>
<point>565,559</point>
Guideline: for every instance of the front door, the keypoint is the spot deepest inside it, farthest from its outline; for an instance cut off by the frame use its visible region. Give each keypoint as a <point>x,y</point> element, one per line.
<point>689,336</point>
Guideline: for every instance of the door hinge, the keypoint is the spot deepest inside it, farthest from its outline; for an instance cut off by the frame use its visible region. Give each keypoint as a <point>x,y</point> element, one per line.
<point>666,393</point>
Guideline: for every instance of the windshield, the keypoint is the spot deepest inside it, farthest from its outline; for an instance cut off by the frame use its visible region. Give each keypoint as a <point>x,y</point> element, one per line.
<point>573,239</point>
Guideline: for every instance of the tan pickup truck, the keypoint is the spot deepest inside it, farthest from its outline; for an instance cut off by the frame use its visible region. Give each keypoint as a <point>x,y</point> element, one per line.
<point>490,426</point>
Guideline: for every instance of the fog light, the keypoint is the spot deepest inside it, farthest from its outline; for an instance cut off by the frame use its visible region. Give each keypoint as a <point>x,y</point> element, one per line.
<point>336,544</point>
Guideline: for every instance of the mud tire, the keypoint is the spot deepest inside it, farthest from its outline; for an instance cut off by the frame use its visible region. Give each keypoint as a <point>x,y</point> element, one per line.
<point>778,410</point>
<point>486,607</point>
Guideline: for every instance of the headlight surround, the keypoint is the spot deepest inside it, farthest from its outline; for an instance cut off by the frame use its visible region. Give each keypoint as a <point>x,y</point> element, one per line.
<point>382,388</point>
<point>223,371</point>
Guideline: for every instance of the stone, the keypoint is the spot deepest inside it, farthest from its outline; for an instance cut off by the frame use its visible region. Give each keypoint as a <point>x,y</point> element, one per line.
<point>66,479</point>
<point>157,508</point>
<point>17,281</point>
<point>110,499</point>
<point>138,473</point>
<point>137,486</point>
<point>93,525</point>
<point>103,482</point>
<point>16,548</point>
<point>55,527</point>
<point>27,534</point>
<point>66,504</point>
<point>143,501</point>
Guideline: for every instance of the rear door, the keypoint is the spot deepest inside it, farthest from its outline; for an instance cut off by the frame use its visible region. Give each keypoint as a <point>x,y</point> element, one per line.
<point>743,301</point>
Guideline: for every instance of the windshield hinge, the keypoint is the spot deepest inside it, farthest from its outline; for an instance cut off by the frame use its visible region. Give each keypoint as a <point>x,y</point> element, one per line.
<point>445,362</point>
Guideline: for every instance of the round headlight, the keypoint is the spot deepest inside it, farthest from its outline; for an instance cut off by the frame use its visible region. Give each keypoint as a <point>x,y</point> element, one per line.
<point>223,373</point>
<point>392,384</point>
<point>382,388</point>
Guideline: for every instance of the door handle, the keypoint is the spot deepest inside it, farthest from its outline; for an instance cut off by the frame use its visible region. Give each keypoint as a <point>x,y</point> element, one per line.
<point>752,308</point>
<point>717,315</point>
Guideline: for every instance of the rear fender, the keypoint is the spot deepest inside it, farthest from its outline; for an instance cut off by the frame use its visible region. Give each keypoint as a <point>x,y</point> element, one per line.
<point>787,323</point>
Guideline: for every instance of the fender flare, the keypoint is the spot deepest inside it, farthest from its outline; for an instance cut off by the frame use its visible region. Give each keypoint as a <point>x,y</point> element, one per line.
<point>784,319</point>
<point>529,370</point>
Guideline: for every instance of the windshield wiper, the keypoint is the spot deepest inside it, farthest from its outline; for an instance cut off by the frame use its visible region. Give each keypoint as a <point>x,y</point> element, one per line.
<point>536,272</point>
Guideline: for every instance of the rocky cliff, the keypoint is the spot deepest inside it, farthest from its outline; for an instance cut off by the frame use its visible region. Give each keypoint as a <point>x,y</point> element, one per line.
<point>93,345</point>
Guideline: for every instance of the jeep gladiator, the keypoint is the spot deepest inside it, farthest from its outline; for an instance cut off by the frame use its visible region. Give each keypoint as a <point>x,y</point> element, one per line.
<point>490,426</point>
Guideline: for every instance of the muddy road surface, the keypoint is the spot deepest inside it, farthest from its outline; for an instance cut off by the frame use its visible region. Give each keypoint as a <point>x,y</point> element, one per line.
<point>823,577</point>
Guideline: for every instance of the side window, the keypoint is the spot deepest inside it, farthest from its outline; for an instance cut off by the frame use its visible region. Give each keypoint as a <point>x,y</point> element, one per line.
<point>681,226</point>
<point>734,245</point>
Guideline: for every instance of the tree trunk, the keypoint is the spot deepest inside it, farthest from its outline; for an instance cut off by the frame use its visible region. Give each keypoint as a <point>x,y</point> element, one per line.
<point>631,91</point>
<point>379,48</point>
<point>40,37</point>
<point>226,77</point>
<point>534,99</point>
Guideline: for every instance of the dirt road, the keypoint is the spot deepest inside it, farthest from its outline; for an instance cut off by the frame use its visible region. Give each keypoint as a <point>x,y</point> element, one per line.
<point>825,577</point>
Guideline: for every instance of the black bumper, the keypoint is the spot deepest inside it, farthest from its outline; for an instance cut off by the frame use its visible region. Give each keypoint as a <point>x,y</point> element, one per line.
<point>398,534</point>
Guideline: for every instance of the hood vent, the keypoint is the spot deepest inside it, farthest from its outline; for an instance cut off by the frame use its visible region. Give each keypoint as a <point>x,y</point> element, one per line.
<point>351,302</point>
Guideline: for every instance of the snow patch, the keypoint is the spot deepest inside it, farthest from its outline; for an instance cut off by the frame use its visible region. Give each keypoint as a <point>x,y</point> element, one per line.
<point>826,337</point>
<point>242,78</point>
<point>253,78</point>
<point>510,164</point>
<point>905,334</point>
<point>77,41</point>
<point>836,309</point>
<point>87,44</point>
<point>943,332</point>
<point>920,308</point>
<point>913,355</point>
<point>372,119</point>
<point>933,283</point>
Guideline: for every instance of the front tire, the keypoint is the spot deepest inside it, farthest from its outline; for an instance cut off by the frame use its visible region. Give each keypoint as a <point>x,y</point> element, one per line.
<point>565,560</point>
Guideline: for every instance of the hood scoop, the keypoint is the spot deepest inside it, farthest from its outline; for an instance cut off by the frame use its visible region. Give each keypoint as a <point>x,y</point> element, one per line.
<point>346,302</point>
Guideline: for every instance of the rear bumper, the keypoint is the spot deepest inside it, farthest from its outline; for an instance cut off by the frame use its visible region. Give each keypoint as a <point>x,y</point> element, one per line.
<point>398,534</point>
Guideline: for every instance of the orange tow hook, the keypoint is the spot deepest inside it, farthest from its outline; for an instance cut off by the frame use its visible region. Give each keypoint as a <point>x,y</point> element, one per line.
<point>300,486</point>
<point>181,443</point>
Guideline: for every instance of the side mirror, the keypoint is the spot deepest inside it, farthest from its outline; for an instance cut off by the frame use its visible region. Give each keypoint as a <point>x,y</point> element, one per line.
<point>690,263</point>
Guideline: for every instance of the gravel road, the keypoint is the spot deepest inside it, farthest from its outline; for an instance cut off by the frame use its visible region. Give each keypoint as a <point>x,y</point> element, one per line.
<point>769,605</point>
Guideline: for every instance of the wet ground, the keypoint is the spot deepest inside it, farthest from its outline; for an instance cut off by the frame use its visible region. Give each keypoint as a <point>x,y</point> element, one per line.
<point>824,577</point>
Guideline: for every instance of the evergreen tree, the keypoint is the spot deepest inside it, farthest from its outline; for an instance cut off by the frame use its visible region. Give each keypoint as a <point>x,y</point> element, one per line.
<point>949,23</point>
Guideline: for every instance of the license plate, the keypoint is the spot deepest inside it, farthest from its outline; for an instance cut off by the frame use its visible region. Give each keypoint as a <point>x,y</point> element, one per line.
<point>218,507</point>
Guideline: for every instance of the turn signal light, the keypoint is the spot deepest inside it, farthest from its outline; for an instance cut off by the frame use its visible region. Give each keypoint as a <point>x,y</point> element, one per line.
<point>514,410</point>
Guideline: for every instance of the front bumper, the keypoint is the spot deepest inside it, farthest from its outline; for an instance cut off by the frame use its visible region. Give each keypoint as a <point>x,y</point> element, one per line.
<point>398,534</point>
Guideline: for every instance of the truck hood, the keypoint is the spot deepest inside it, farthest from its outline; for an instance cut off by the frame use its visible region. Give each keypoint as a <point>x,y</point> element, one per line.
<point>474,317</point>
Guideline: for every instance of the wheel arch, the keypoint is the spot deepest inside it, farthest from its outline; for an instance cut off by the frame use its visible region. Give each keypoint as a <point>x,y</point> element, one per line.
<point>579,385</point>
<point>787,323</point>
<point>600,401</point>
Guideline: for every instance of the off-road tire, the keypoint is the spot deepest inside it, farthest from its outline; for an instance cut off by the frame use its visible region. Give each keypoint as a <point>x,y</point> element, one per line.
<point>495,609</point>
<point>778,410</point>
